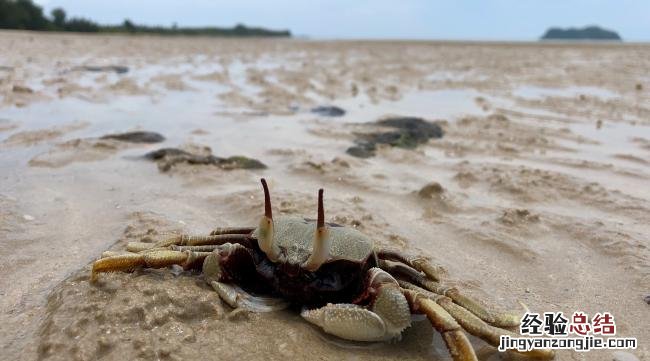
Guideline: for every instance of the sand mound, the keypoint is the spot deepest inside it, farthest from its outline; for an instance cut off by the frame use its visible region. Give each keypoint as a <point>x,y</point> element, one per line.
<point>170,314</point>
<point>31,137</point>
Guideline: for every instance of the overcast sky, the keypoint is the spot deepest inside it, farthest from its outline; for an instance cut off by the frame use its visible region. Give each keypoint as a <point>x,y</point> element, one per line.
<point>407,19</point>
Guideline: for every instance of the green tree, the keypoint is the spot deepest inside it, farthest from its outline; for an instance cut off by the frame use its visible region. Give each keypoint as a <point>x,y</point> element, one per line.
<point>58,16</point>
<point>81,25</point>
<point>129,26</point>
<point>22,14</point>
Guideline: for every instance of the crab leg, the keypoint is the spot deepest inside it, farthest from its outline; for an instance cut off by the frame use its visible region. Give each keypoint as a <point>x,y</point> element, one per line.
<point>187,240</point>
<point>455,339</point>
<point>205,248</point>
<point>236,297</point>
<point>492,317</point>
<point>232,230</point>
<point>470,322</point>
<point>152,259</point>
<point>419,263</point>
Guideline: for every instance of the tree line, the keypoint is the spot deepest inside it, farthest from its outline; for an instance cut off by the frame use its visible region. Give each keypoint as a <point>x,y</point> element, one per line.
<point>25,15</point>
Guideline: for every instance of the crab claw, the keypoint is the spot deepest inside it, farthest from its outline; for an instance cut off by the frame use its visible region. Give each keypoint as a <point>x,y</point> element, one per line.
<point>321,249</point>
<point>384,319</point>
<point>265,229</point>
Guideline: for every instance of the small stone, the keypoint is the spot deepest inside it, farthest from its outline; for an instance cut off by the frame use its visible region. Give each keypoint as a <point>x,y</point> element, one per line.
<point>328,111</point>
<point>647,299</point>
<point>136,137</point>
<point>22,89</point>
<point>241,162</point>
<point>362,150</point>
<point>527,290</point>
<point>27,217</point>
<point>118,69</point>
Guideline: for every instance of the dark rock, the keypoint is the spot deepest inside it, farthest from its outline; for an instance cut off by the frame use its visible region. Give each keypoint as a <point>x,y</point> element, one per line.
<point>168,157</point>
<point>136,137</point>
<point>241,162</point>
<point>362,150</point>
<point>163,152</point>
<point>328,111</point>
<point>21,89</point>
<point>647,299</point>
<point>410,132</point>
<point>586,33</point>
<point>166,152</point>
<point>119,69</point>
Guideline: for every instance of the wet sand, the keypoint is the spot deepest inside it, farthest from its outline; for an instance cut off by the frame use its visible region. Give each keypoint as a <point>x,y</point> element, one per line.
<point>542,179</point>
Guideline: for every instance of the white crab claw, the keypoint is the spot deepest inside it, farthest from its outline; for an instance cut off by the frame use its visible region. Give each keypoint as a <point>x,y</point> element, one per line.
<point>348,321</point>
<point>385,318</point>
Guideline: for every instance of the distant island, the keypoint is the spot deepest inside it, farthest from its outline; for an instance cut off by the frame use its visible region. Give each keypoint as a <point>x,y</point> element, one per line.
<point>586,33</point>
<point>25,15</point>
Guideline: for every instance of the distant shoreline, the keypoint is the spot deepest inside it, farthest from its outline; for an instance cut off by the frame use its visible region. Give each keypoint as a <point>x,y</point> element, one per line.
<point>26,15</point>
<point>459,42</point>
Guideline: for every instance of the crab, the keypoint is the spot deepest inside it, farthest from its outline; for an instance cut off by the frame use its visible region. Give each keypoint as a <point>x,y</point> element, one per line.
<point>345,285</point>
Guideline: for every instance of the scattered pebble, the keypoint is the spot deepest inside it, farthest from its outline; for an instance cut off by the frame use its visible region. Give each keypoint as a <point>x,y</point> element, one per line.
<point>647,299</point>
<point>136,137</point>
<point>22,89</point>
<point>328,111</point>
<point>361,151</point>
<point>118,69</point>
<point>27,217</point>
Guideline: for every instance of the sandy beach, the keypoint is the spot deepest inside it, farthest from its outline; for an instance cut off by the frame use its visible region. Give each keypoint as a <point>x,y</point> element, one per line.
<point>538,191</point>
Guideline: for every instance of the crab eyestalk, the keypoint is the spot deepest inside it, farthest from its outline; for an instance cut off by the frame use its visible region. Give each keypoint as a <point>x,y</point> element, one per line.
<point>265,229</point>
<point>321,249</point>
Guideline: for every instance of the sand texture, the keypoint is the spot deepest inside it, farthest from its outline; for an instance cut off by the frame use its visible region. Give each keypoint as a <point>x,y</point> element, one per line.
<point>537,191</point>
